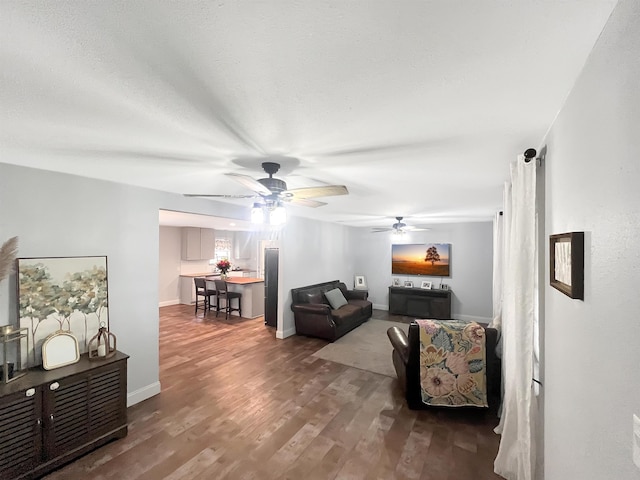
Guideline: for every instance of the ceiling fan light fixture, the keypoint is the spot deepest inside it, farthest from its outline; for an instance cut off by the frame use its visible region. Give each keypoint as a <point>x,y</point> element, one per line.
<point>277,215</point>
<point>257,214</point>
<point>272,213</point>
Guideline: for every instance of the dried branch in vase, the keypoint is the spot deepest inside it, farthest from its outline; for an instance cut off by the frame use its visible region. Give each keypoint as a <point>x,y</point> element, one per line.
<point>8,254</point>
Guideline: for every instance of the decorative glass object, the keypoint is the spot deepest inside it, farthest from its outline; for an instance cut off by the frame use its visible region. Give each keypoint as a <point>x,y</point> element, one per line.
<point>102,345</point>
<point>11,341</point>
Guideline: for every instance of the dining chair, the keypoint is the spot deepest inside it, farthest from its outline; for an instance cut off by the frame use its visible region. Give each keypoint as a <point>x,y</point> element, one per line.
<point>203,291</point>
<point>224,293</point>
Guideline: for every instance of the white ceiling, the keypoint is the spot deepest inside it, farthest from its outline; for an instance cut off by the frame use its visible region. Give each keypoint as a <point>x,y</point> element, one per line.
<point>170,218</point>
<point>416,106</point>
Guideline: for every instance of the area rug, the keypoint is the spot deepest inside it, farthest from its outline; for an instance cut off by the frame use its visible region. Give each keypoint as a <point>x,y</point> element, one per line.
<point>366,347</point>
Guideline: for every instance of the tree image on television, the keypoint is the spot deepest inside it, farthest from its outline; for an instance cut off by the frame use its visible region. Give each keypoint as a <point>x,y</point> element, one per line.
<point>430,259</point>
<point>432,255</point>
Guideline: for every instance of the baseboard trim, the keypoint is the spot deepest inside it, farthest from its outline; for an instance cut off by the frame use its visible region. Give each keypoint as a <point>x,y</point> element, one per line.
<point>472,318</point>
<point>286,333</point>
<point>166,303</point>
<point>381,306</point>
<point>143,393</point>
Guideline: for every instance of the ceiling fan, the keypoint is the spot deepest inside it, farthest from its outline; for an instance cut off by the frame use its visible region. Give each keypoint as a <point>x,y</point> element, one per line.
<point>273,190</point>
<point>399,228</point>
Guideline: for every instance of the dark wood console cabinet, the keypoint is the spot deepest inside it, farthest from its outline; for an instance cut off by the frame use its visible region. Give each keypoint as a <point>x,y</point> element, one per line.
<point>48,418</point>
<point>420,302</point>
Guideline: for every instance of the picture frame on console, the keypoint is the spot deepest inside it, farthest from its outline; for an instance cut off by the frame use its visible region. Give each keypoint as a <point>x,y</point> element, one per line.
<point>360,283</point>
<point>408,284</point>
<point>397,282</point>
<point>426,285</point>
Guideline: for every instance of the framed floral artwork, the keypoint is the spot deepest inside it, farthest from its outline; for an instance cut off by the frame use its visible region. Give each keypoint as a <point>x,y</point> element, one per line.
<point>61,294</point>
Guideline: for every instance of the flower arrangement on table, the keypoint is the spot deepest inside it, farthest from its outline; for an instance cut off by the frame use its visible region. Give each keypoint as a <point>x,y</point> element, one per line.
<point>224,266</point>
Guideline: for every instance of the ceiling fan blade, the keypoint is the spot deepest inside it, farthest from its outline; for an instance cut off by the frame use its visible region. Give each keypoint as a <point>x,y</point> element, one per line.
<point>380,230</point>
<point>304,202</point>
<point>312,192</point>
<point>219,196</point>
<point>250,182</point>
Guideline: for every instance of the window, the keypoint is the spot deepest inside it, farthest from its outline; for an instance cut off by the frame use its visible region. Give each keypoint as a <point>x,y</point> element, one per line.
<point>222,249</point>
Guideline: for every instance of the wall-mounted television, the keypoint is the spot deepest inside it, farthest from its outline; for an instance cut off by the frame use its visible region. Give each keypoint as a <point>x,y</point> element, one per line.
<point>421,259</point>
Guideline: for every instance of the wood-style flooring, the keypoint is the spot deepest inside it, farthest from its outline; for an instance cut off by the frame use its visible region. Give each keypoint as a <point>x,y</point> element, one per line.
<point>238,404</point>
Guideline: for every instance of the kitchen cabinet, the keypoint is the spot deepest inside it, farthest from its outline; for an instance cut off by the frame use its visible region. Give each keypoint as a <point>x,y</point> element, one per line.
<point>48,418</point>
<point>187,290</point>
<point>242,273</point>
<point>188,287</point>
<point>243,245</point>
<point>252,301</point>
<point>198,243</point>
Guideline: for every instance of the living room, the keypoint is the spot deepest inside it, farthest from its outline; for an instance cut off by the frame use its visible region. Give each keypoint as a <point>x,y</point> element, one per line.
<point>590,172</point>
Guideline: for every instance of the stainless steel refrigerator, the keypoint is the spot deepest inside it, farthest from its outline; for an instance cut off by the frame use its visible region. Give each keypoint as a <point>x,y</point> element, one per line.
<point>271,287</point>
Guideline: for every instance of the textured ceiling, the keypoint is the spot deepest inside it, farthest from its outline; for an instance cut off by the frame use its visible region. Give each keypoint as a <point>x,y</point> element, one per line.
<point>416,106</point>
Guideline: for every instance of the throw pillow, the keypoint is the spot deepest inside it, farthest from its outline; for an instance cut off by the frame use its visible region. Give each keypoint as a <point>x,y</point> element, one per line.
<point>336,298</point>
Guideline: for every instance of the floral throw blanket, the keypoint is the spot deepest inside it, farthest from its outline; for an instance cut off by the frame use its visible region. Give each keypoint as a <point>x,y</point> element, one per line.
<point>452,363</point>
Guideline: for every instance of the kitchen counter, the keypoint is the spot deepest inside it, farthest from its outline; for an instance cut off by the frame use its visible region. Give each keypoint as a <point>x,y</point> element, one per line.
<point>194,275</point>
<point>243,280</point>
<point>252,290</point>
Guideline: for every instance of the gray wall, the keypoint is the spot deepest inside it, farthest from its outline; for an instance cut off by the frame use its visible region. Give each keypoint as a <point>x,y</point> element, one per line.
<point>311,252</point>
<point>471,277</point>
<point>592,347</point>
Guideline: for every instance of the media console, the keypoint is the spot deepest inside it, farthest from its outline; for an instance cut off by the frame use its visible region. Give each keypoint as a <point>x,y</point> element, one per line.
<point>420,302</point>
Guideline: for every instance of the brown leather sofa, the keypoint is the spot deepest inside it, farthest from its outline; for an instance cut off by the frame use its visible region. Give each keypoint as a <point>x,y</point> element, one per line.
<point>406,360</point>
<point>315,317</point>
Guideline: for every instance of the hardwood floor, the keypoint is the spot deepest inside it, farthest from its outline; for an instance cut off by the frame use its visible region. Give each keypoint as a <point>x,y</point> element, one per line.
<point>238,404</point>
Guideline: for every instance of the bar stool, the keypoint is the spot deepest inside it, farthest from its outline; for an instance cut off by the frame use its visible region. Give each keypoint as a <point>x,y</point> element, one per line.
<point>223,292</point>
<point>203,291</point>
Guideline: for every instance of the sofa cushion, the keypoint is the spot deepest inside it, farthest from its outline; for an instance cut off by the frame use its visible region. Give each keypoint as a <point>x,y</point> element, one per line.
<point>365,306</point>
<point>345,314</point>
<point>336,298</point>
<point>314,297</point>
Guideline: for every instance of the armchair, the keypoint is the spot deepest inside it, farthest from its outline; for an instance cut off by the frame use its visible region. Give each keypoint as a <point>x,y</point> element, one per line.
<point>406,361</point>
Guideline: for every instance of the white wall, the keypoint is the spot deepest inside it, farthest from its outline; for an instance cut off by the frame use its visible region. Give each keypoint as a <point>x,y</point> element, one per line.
<point>592,347</point>
<point>471,265</point>
<point>310,252</point>
<point>169,266</point>
<point>56,214</point>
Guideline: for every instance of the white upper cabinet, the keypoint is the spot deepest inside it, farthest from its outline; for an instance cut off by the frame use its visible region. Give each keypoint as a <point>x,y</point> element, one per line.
<point>243,245</point>
<point>207,243</point>
<point>198,243</point>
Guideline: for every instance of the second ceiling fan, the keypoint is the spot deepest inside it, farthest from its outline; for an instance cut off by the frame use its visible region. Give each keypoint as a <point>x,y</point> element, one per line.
<point>399,228</point>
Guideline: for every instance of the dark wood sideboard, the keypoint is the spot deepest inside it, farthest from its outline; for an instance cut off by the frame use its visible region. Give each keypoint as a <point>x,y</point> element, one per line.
<point>420,302</point>
<point>48,418</point>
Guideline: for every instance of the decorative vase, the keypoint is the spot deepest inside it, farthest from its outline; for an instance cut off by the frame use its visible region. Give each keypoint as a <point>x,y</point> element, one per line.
<point>223,276</point>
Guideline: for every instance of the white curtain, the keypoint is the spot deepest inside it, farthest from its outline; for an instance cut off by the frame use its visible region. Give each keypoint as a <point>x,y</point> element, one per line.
<point>516,455</point>
<point>498,248</point>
